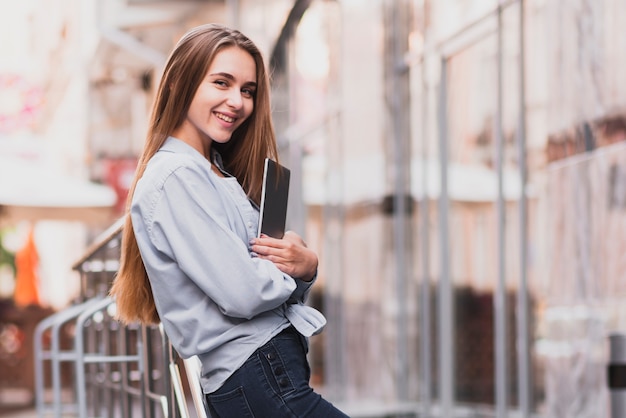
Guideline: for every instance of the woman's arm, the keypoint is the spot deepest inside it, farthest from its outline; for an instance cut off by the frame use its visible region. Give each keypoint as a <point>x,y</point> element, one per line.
<point>189,224</point>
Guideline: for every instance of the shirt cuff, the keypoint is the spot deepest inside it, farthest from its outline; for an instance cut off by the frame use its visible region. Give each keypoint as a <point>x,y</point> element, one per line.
<point>302,287</point>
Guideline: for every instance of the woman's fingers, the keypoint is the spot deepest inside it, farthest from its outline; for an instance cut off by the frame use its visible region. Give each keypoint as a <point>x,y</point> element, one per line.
<point>268,246</point>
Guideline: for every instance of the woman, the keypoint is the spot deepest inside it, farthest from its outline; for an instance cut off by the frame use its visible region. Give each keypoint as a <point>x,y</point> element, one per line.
<point>190,257</point>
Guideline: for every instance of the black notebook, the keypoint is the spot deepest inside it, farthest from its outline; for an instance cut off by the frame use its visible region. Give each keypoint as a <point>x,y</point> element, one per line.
<point>274,197</point>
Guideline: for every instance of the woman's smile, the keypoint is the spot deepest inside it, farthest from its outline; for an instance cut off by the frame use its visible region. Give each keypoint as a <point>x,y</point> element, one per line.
<point>225,118</point>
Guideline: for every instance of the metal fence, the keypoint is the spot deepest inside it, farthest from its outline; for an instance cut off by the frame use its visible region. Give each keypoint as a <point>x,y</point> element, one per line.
<point>89,364</point>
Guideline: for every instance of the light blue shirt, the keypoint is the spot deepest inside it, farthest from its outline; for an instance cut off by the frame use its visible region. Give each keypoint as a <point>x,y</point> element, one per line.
<point>215,298</point>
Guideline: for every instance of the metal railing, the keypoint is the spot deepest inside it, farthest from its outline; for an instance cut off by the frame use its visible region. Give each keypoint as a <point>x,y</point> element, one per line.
<point>110,369</point>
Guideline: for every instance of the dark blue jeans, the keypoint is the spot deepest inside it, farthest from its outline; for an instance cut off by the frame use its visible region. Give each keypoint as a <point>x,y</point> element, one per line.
<point>272,383</point>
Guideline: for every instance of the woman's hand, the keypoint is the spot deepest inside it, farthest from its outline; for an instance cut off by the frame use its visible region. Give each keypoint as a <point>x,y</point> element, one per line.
<point>290,254</point>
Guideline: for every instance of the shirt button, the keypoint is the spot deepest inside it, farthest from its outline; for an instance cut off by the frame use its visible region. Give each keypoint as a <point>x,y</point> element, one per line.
<point>250,225</point>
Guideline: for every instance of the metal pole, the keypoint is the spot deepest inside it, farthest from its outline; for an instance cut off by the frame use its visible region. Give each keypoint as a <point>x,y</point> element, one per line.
<point>617,374</point>
<point>500,305</point>
<point>333,216</point>
<point>397,98</point>
<point>523,332</point>
<point>397,26</point>
<point>446,316</point>
<point>425,292</point>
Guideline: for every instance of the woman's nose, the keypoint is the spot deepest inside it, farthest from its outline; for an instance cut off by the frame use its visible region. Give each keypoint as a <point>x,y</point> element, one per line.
<point>234,98</point>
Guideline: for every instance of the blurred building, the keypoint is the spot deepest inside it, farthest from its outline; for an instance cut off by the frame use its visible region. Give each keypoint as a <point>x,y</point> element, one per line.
<point>458,165</point>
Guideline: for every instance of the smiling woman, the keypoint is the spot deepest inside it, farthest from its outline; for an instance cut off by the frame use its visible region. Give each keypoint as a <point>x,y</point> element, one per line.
<point>190,255</point>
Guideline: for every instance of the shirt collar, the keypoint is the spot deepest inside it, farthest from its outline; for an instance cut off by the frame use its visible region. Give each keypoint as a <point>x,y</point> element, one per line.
<point>216,158</point>
<point>176,145</point>
<point>173,144</point>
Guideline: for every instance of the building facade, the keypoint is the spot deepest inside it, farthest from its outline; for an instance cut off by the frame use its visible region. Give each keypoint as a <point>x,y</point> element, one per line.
<point>458,165</point>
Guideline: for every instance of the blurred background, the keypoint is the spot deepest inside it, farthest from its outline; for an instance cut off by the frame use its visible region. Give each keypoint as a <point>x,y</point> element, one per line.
<point>459,165</point>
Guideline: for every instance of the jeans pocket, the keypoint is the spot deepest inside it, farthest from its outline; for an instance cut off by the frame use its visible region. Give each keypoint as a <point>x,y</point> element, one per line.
<point>231,404</point>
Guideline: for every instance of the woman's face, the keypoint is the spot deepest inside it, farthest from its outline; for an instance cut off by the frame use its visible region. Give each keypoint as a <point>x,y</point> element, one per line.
<point>223,101</point>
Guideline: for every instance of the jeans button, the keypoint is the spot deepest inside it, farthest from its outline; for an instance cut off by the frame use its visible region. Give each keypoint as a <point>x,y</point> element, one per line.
<point>283,382</point>
<point>271,356</point>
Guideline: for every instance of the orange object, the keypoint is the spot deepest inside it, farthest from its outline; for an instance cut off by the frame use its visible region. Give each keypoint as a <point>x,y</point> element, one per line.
<point>26,277</point>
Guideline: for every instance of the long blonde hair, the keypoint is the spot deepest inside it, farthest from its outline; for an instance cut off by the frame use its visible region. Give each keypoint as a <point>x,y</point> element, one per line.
<point>243,155</point>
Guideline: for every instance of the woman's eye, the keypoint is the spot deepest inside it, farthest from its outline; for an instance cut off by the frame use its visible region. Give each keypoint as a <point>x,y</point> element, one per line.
<point>221,83</point>
<point>248,92</point>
